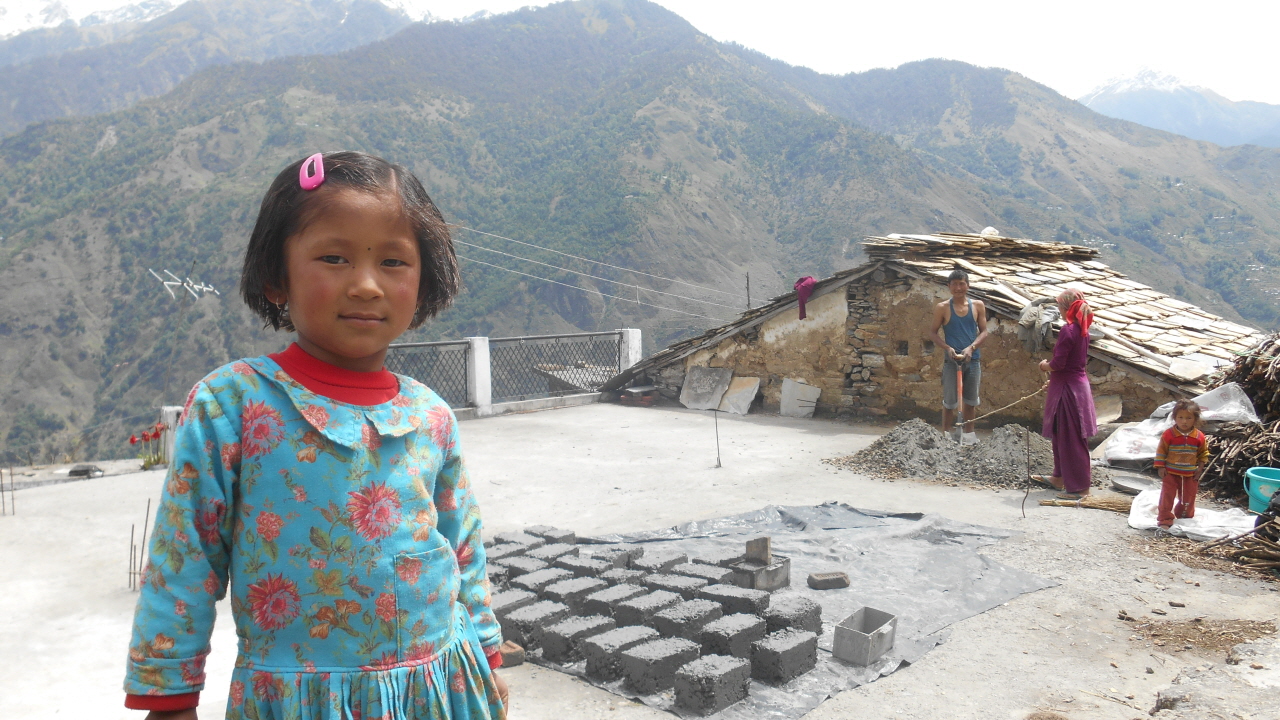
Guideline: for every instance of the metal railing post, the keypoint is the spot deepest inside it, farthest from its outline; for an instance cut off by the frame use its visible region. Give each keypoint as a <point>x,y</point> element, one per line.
<point>630,347</point>
<point>479,376</point>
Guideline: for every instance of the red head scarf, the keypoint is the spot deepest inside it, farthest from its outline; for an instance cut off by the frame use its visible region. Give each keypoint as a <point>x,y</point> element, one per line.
<point>1077,310</point>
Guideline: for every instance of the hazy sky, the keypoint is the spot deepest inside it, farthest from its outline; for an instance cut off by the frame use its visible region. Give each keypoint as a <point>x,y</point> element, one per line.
<point>1229,46</point>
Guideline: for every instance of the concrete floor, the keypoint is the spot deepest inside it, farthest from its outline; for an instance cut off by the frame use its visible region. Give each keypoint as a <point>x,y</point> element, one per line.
<point>65,613</point>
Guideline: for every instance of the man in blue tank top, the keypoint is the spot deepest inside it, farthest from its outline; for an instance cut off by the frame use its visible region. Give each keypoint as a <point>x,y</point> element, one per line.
<point>963,325</point>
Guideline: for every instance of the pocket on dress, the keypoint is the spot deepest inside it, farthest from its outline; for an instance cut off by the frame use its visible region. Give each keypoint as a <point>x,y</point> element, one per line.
<point>426,593</point>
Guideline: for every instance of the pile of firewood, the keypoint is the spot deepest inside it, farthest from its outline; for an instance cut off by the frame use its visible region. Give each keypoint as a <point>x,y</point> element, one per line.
<point>1251,550</point>
<point>1236,447</point>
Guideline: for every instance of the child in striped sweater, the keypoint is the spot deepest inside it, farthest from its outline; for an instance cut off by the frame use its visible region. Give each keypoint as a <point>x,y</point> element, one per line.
<point>1180,459</point>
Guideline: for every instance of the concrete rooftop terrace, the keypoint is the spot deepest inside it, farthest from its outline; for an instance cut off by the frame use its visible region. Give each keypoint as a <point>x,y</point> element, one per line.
<point>65,613</point>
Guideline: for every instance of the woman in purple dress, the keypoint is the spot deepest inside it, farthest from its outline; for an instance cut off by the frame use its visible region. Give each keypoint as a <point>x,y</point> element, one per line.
<point>1069,419</point>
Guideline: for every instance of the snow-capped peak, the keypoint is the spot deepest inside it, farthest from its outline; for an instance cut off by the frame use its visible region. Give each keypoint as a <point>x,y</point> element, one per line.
<point>1144,79</point>
<point>20,17</point>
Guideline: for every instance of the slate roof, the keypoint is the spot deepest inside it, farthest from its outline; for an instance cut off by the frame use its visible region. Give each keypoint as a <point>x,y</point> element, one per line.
<point>1151,329</point>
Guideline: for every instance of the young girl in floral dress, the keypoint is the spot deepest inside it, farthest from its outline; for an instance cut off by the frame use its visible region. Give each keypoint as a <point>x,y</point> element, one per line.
<point>326,494</point>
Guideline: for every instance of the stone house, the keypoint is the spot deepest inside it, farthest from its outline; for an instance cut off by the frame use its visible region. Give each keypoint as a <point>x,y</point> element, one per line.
<point>865,344</point>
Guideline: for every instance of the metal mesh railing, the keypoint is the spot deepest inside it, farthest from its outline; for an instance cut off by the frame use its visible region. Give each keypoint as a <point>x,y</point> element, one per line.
<point>441,366</point>
<point>538,366</point>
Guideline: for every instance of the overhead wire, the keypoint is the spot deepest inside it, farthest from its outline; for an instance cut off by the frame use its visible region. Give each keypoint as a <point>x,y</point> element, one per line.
<point>596,262</point>
<point>589,290</point>
<point>594,277</point>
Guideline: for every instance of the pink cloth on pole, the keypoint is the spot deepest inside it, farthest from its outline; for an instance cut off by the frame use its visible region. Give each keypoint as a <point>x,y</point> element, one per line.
<point>804,288</point>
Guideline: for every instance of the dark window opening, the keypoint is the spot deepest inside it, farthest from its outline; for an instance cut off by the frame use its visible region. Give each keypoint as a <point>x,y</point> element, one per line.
<point>904,347</point>
<point>928,347</point>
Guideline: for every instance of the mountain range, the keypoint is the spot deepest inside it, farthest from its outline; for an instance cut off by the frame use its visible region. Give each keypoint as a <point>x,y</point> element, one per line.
<point>608,130</point>
<point>145,50</point>
<point>1166,103</point>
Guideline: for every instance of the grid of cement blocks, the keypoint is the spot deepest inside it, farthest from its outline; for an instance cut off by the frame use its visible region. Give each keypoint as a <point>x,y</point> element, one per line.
<point>658,621</point>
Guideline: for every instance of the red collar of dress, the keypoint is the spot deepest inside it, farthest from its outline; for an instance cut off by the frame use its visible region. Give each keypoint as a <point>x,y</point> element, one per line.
<point>335,383</point>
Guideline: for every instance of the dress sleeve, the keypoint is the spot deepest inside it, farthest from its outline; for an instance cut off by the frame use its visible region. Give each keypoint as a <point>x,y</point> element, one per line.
<point>1064,348</point>
<point>190,547</point>
<point>1162,450</point>
<point>459,523</point>
<point>1203,456</point>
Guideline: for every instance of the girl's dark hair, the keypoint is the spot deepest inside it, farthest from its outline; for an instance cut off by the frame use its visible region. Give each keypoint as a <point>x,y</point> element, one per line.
<point>957,273</point>
<point>1190,406</point>
<point>287,208</point>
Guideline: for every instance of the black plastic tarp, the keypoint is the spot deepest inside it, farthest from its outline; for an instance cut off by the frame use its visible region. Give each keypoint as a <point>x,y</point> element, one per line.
<point>923,568</point>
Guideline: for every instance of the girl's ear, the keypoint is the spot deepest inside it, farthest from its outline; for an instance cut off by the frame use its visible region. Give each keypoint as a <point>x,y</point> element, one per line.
<point>275,296</point>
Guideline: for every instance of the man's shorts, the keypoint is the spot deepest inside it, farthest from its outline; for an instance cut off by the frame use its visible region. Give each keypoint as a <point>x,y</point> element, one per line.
<point>972,378</point>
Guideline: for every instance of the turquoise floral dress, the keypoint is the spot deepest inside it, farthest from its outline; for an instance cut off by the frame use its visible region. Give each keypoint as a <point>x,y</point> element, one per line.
<point>349,540</point>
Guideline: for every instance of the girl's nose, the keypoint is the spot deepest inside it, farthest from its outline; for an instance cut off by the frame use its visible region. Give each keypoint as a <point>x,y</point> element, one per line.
<point>364,284</point>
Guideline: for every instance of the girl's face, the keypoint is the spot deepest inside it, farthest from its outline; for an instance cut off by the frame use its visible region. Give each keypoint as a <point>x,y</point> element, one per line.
<point>1184,420</point>
<point>352,277</point>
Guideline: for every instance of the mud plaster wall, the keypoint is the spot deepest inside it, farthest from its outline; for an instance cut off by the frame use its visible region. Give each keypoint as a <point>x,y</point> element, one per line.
<point>865,346</point>
<point>812,350</point>
<point>896,371</point>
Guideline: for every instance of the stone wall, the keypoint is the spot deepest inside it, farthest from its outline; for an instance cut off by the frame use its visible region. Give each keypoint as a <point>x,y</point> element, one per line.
<point>866,346</point>
<point>896,371</point>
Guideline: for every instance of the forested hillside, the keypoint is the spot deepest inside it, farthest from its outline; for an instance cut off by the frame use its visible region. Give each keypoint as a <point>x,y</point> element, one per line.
<point>610,130</point>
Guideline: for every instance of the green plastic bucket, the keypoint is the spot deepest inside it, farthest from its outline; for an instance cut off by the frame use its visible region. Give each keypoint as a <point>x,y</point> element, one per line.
<point>1261,483</point>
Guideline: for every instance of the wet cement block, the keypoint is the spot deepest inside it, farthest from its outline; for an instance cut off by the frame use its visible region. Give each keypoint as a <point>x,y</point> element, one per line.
<point>498,574</point>
<point>737,600</point>
<point>713,574</point>
<point>712,683</point>
<point>774,576</point>
<point>620,556</point>
<point>651,667</point>
<point>687,619</point>
<point>582,566</point>
<point>528,541</point>
<point>603,601</point>
<point>562,642</point>
<point>619,576</point>
<point>687,587</point>
<point>733,635</point>
<point>520,565</point>
<point>508,600</point>
<point>640,610</point>
<point>551,534</point>
<point>504,550</point>
<point>719,557</point>
<point>573,592</point>
<point>603,652</point>
<point>524,626</point>
<point>789,610</point>
<point>783,656</point>
<point>549,553</point>
<point>658,561</point>
<point>539,579</point>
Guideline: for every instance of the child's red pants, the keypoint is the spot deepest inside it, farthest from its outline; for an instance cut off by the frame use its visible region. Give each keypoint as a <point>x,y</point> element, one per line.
<point>1177,498</point>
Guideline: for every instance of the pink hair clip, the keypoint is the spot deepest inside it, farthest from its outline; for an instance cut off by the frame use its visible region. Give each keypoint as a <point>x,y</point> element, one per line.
<point>315,177</point>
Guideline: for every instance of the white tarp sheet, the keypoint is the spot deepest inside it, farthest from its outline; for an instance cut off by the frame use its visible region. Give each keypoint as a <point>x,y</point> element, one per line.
<point>1138,443</point>
<point>1206,525</point>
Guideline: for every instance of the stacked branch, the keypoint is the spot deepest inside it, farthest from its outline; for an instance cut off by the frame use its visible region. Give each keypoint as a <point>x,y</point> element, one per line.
<point>1254,552</point>
<point>1236,447</point>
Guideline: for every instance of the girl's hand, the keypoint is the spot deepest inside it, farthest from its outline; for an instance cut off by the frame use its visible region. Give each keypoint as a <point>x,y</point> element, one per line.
<point>188,714</point>
<point>1044,366</point>
<point>502,689</point>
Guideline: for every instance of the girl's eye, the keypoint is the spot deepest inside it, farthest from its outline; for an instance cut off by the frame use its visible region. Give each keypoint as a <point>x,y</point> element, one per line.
<point>392,262</point>
<point>331,259</point>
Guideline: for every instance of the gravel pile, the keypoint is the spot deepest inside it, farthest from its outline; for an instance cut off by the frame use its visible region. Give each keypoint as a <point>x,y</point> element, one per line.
<point>916,449</point>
